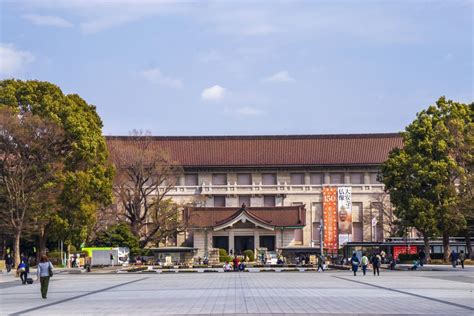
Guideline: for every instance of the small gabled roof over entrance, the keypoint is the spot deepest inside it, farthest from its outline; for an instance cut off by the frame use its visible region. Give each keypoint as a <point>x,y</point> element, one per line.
<point>244,216</point>
<point>270,218</point>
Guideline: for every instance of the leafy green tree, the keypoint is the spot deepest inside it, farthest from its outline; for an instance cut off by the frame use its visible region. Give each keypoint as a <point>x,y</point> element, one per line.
<point>118,236</point>
<point>421,177</point>
<point>31,161</point>
<point>86,184</point>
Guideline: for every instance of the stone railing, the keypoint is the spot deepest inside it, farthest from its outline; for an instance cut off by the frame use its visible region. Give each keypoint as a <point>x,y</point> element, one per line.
<point>260,189</point>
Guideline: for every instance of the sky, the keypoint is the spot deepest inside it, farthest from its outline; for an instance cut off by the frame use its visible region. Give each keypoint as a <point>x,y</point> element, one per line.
<point>245,67</point>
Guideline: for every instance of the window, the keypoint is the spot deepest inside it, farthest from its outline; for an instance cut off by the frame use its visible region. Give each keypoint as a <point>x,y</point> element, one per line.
<point>297,178</point>
<point>336,178</point>
<point>219,179</point>
<point>357,232</point>
<point>357,178</point>
<point>318,211</point>
<point>316,178</point>
<point>269,200</point>
<point>269,178</point>
<point>316,232</point>
<point>191,179</point>
<point>219,201</point>
<point>373,178</point>
<point>244,199</point>
<point>298,236</point>
<point>244,179</point>
<point>357,212</point>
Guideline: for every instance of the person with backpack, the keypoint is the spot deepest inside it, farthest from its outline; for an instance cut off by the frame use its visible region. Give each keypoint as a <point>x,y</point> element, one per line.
<point>355,263</point>
<point>23,269</point>
<point>364,263</point>
<point>44,273</point>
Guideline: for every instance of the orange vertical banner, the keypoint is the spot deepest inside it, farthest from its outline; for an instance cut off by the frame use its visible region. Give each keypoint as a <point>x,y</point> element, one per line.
<point>330,218</point>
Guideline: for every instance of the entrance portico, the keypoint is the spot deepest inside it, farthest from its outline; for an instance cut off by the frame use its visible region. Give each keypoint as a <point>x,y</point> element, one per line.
<point>236,230</point>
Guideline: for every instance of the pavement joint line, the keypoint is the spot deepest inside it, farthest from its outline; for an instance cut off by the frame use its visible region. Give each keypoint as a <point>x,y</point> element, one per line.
<point>74,297</point>
<point>407,293</point>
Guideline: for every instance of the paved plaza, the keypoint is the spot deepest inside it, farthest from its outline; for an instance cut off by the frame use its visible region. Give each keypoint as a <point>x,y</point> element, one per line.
<point>444,292</point>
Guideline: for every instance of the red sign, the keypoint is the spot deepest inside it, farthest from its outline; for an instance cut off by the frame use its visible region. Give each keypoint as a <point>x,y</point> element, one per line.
<point>330,218</point>
<point>403,249</point>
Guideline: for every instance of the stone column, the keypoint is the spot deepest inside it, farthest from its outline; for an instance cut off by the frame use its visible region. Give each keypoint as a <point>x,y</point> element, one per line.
<point>231,241</point>
<point>256,240</point>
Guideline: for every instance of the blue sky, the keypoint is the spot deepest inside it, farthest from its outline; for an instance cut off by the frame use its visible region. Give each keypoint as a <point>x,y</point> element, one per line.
<point>245,67</point>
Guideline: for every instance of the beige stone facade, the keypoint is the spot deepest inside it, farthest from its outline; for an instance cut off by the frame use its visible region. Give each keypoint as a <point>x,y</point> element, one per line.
<point>366,193</point>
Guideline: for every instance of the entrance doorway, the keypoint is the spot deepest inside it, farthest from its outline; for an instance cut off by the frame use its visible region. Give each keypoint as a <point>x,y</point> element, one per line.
<point>242,243</point>
<point>267,242</point>
<point>220,242</point>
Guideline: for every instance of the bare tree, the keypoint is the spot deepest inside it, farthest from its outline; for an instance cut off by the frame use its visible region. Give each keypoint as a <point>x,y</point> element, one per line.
<point>145,174</point>
<point>31,157</point>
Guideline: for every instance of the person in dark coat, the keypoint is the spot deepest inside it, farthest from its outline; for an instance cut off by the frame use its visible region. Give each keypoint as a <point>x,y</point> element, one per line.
<point>375,260</point>
<point>454,258</point>
<point>9,262</point>
<point>355,263</point>
<point>422,256</point>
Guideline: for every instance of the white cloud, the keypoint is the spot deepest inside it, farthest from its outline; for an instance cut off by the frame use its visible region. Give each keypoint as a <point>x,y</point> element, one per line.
<point>47,20</point>
<point>214,93</point>
<point>155,76</point>
<point>281,76</point>
<point>249,111</point>
<point>13,60</point>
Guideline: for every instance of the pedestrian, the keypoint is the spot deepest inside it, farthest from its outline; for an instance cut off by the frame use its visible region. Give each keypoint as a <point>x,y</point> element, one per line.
<point>382,256</point>
<point>23,269</point>
<point>462,257</point>
<point>9,262</point>
<point>355,263</point>
<point>44,273</point>
<point>364,263</point>
<point>454,258</point>
<point>376,263</point>
<point>422,256</point>
<point>320,263</point>
<point>111,259</point>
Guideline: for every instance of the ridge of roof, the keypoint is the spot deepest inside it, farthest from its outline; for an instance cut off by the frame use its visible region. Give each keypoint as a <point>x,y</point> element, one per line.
<point>263,137</point>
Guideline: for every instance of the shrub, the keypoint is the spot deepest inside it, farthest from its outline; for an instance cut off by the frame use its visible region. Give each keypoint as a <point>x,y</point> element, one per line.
<point>249,253</point>
<point>408,257</point>
<point>223,256</point>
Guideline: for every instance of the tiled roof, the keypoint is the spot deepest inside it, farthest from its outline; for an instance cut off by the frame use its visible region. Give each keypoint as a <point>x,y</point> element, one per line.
<point>302,150</point>
<point>278,216</point>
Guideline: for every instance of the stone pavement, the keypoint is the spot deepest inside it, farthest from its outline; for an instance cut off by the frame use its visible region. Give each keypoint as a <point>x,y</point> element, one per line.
<point>337,293</point>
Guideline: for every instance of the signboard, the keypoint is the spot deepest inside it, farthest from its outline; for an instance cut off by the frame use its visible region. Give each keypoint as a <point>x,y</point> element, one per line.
<point>344,214</point>
<point>330,218</point>
<point>397,250</point>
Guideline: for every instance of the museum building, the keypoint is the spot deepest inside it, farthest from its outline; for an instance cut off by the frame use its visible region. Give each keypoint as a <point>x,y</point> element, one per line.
<point>250,192</point>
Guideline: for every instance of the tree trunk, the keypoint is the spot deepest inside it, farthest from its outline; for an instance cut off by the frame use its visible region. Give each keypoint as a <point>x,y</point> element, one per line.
<point>426,241</point>
<point>469,245</point>
<point>42,241</point>
<point>16,247</point>
<point>446,246</point>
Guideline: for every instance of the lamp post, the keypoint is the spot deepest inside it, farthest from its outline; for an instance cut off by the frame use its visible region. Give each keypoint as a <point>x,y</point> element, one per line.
<point>321,236</point>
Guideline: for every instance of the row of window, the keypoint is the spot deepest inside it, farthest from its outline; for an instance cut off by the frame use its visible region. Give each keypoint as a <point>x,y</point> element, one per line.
<point>271,178</point>
<point>268,200</point>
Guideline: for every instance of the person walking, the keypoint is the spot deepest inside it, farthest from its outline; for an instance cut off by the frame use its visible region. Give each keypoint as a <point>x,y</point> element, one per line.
<point>44,273</point>
<point>111,259</point>
<point>9,262</point>
<point>355,263</point>
<point>376,263</point>
<point>23,269</point>
<point>320,263</point>
<point>454,258</point>
<point>422,256</point>
<point>364,263</point>
<point>462,257</point>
